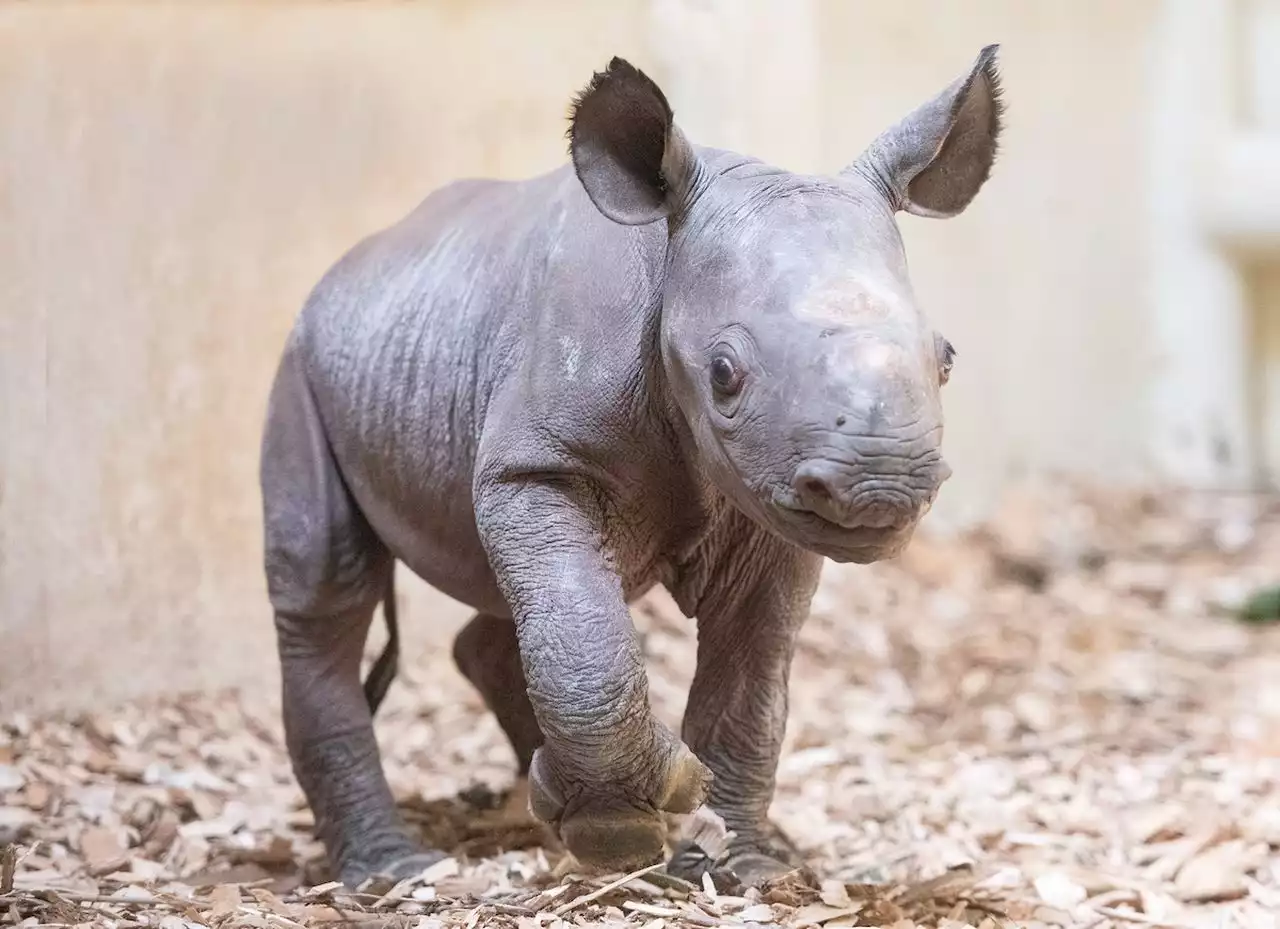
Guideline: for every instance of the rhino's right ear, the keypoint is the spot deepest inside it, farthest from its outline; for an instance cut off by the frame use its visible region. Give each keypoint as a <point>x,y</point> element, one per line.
<point>633,160</point>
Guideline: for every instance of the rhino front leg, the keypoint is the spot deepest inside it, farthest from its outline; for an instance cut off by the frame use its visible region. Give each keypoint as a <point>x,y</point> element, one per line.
<point>607,770</point>
<point>326,572</point>
<point>736,714</point>
<point>487,653</point>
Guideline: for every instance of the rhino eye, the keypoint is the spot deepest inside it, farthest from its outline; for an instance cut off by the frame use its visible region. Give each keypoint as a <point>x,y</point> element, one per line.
<point>946,359</point>
<point>726,376</point>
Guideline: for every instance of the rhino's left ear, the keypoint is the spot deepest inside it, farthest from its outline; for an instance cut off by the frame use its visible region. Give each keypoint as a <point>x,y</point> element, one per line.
<point>936,159</point>
<point>634,162</point>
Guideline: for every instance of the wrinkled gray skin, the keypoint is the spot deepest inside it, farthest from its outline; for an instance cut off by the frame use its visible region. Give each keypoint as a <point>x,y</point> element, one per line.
<point>665,365</point>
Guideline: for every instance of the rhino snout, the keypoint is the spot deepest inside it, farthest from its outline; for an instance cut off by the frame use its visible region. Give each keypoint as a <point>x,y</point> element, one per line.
<point>840,494</point>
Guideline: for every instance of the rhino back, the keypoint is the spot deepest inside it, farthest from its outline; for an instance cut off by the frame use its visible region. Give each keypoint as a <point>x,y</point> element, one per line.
<point>488,288</point>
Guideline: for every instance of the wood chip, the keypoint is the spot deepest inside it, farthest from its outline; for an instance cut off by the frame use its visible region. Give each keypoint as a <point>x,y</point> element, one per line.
<point>225,899</point>
<point>817,914</point>
<point>8,864</point>
<point>102,850</point>
<point>1058,700</point>
<point>1058,890</point>
<point>11,779</point>
<point>601,891</point>
<point>835,894</point>
<point>706,829</point>
<point>1214,875</point>
<point>757,913</point>
<point>37,796</point>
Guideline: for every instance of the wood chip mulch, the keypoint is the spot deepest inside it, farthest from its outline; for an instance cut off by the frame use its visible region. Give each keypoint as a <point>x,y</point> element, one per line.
<point>1068,717</point>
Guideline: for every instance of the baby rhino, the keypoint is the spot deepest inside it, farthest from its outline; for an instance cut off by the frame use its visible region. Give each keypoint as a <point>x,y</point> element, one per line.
<point>666,364</point>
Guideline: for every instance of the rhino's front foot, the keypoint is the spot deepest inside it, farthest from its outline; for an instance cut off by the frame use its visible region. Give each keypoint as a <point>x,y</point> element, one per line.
<point>607,770</point>
<point>618,827</point>
<point>736,715</point>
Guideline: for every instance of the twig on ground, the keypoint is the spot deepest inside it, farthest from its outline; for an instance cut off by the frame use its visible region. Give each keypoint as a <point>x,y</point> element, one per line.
<point>601,891</point>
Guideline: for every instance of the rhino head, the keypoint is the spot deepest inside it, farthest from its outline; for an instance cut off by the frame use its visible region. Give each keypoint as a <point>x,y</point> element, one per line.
<point>791,341</point>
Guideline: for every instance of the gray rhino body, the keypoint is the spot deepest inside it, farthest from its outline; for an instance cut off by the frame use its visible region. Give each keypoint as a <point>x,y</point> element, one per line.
<point>664,364</point>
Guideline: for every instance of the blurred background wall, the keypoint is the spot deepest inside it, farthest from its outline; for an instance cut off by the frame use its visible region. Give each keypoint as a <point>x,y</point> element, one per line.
<point>175,177</point>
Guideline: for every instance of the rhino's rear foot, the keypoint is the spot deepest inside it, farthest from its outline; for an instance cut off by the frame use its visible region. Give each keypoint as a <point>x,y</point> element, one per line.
<point>391,867</point>
<point>751,860</point>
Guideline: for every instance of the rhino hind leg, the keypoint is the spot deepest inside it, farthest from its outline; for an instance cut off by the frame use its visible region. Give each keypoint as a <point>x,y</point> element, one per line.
<point>326,572</point>
<point>487,653</point>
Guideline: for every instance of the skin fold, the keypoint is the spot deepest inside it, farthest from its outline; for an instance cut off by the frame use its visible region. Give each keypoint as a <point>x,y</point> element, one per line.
<point>661,364</point>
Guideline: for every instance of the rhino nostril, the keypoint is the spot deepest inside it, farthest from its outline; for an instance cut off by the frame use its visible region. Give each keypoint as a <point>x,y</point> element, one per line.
<point>840,495</point>
<point>815,487</point>
<point>818,489</point>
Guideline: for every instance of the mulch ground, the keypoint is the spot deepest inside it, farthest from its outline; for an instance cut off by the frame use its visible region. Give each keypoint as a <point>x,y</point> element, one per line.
<point>1059,719</point>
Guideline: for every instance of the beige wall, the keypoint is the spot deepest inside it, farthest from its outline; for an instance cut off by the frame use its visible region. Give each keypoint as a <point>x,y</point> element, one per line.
<point>174,178</point>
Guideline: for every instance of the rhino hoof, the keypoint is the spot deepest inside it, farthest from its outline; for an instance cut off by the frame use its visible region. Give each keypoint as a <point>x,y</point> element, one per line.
<point>545,800</point>
<point>732,873</point>
<point>614,842</point>
<point>387,875</point>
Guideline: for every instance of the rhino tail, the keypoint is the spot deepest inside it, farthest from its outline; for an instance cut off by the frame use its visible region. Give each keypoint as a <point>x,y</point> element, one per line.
<point>387,664</point>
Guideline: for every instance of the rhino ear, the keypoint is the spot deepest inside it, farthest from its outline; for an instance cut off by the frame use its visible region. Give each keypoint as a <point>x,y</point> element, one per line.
<point>633,160</point>
<point>936,159</point>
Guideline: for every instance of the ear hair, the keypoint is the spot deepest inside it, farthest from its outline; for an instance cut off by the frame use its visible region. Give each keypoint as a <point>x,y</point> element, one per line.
<point>626,150</point>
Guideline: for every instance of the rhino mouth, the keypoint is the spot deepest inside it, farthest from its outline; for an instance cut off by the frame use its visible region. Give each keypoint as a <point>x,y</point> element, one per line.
<point>839,542</point>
